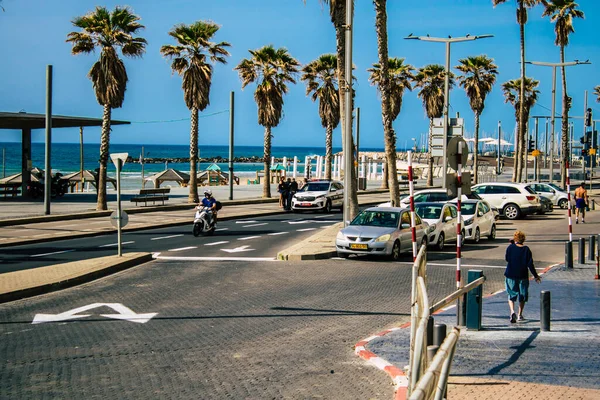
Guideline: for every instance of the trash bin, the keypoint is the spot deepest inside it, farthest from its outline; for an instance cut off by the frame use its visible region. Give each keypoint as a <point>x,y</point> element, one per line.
<point>362,183</point>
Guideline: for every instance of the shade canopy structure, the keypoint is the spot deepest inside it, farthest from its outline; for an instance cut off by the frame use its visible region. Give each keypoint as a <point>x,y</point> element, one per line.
<point>26,122</point>
<point>277,167</point>
<point>169,175</point>
<point>88,176</point>
<point>213,167</point>
<point>215,178</point>
<point>494,142</point>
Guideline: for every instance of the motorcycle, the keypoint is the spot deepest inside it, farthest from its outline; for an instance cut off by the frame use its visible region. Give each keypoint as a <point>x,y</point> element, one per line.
<point>58,187</point>
<point>203,222</point>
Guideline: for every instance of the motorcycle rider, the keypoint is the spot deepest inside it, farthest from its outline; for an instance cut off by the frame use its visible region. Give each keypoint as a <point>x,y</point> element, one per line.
<point>210,202</point>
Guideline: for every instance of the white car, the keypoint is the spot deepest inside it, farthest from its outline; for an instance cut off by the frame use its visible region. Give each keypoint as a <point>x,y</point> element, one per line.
<point>429,195</point>
<point>442,219</point>
<point>514,200</point>
<point>556,195</point>
<point>479,220</point>
<point>319,195</point>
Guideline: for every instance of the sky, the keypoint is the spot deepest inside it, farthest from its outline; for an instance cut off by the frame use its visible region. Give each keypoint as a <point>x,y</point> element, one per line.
<point>33,33</point>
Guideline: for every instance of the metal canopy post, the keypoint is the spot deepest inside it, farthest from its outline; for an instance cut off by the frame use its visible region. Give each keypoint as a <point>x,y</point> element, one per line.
<point>48,147</point>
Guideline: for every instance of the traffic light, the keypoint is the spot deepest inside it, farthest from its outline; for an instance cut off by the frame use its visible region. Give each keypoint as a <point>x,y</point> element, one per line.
<point>584,152</point>
<point>531,145</point>
<point>582,140</point>
<point>588,117</point>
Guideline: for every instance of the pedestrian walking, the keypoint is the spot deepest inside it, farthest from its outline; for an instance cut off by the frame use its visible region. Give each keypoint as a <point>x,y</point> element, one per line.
<point>581,202</point>
<point>293,188</point>
<point>280,189</point>
<point>519,261</point>
<point>285,190</point>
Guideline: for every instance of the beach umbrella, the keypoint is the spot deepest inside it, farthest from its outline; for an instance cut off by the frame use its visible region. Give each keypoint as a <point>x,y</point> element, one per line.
<point>169,175</point>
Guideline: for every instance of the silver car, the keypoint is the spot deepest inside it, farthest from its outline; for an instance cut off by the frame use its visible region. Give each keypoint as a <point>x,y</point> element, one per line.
<point>382,231</point>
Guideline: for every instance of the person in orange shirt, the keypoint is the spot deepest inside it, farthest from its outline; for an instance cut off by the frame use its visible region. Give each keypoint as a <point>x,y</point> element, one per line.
<point>581,201</point>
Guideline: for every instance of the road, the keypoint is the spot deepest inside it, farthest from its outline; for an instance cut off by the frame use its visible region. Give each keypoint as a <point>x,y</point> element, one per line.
<point>233,329</point>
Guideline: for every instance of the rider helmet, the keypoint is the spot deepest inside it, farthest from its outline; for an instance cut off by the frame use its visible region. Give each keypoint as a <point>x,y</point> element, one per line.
<point>207,193</point>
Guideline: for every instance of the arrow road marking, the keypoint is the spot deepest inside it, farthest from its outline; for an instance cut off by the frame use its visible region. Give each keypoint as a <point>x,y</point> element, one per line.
<point>248,238</point>
<point>248,226</point>
<point>238,249</point>
<point>55,252</point>
<point>124,313</point>
<point>166,237</point>
<point>216,243</point>
<point>114,244</point>
<point>184,248</point>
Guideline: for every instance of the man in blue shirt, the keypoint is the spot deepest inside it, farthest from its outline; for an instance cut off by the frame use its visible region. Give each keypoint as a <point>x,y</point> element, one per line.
<point>210,202</point>
<point>519,260</point>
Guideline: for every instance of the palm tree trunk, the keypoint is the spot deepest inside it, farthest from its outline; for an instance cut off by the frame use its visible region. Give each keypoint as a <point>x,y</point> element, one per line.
<point>391,175</point>
<point>104,147</point>
<point>565,123</point>
<point>430,155</point>
<point>476,149</point>
<point>193,185</point>
<point>522,121</point>
<point>328,150</point>
<point>267,182</point>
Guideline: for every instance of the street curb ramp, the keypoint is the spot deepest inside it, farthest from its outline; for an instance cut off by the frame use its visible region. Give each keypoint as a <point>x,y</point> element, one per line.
<point>317,247</point>
<point>22,284</point>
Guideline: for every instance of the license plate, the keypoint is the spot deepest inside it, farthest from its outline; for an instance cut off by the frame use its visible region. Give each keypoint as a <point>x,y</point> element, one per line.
<point>358,246</point>
<point>306,204</point>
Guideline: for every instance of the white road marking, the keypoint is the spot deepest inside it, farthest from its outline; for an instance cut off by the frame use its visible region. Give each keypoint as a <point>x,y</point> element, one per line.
<point>324,216</point>
<point>248,226</point>
<point>115,244</point>
<point>277,233</point>
<point>238,249</point>
<point>216,243</point>
<point>248,238</point>
<point>304,221</point>
<point>217,258</point>
<point>54,252</point>
<point>155,255</point>
<point>184,248</point>
<point>244,222</point>
<point>305,229</point>
<point>326,221</point>
<point>166,237</point>
<point>221,229</point>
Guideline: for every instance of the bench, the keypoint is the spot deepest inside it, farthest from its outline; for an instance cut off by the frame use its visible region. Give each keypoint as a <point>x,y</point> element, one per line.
<point>152,195</point>
<point>10,189</point>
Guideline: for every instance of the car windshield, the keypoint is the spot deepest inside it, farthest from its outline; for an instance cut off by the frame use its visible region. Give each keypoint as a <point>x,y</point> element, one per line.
<point>316,187</point>
<point>429,211</point>
<point>468,208</point>
<point>553,186</point>
<point>387,219</point>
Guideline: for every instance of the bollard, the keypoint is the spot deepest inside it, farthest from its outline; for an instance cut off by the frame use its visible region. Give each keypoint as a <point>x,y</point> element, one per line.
<point>430,323</point>
<point>461,316</point>
<point>431,350</point>
<point>581,250</point>
<point>439,334</point>
<point>474,301</point>
<point>593,204</point>
<point>545,310</point>
<point>592,248</point>
<point>569,254</point>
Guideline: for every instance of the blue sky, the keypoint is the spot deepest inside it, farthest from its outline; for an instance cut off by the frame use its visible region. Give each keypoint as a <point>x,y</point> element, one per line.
<point>33,35</point>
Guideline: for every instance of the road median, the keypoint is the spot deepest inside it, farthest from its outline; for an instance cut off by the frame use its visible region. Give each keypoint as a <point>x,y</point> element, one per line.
<point>317,247</point>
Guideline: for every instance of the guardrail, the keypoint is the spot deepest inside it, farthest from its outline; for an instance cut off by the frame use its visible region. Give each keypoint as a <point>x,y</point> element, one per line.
<point>453,296</point>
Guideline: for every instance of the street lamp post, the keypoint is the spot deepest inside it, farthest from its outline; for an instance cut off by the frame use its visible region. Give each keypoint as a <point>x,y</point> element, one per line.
<point>552,120</point>
<point>449,40</point>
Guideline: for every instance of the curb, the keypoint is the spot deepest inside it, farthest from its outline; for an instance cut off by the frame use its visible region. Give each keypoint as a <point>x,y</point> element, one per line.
<point>118,265</point>
<point>297,252</point>
<point>398,376</point>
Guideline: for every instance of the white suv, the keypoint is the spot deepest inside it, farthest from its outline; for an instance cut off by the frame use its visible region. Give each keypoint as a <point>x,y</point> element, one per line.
<point>514,200</point>
<point>319,195</point>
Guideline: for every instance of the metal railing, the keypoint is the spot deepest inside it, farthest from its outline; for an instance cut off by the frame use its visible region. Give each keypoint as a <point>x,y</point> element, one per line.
<point>453,296</point>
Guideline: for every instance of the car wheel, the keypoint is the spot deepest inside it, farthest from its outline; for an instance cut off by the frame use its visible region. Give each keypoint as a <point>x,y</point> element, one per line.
<point>477,236</point>
<point>512,211</point>
<point>327,208</point>
<point>492,235</point>
<point>563,203</point>
<point>395,255</point>
<point>439,245</point>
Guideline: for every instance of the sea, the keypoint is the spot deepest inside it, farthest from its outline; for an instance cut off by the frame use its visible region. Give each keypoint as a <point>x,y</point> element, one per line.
<point>65,158</point>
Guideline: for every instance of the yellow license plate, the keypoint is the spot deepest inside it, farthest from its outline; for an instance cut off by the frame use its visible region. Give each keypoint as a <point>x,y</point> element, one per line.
<point>358,246</point>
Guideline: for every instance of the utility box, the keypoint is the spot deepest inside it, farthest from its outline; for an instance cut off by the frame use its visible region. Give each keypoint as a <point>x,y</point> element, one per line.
<point>474,301</point>
<point>362,183</point>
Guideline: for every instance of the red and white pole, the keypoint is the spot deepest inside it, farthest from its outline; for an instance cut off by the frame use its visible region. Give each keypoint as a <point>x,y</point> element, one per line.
<point>458,217</point>
<point>411,192</point>
<point>569,204</point>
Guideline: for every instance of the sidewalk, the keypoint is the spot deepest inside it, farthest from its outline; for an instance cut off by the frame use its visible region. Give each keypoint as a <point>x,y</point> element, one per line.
<point>506,360</point>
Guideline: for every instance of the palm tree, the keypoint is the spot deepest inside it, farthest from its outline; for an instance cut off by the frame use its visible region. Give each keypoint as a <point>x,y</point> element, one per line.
<point>320,76</point>
<point>193,57</point>
<point>272,69</point>
<point>430,80</point>
<point>597,93</point>
<point>479,76</point>
<point>107,31</point>
<point>562,12</point>
<point>400,77</point>
<point>522,6</point>
<point>512,95</point>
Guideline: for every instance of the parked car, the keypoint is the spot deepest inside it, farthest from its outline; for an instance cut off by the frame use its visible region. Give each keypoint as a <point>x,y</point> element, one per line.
<point>319,195</point>
<point>514,200</point>
<point>429,195</point>
<point>381,231</point>
<point>442,219</point>
<point>554,193</point>
<point>479,220</point>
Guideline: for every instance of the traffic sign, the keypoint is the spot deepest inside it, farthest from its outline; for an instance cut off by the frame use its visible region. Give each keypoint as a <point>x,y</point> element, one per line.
<point>119,156</point>
<point>592,152</point>
<point>114,218</point>
<point>536,153</point>
<point>453,152</point>
<point>452,184</point>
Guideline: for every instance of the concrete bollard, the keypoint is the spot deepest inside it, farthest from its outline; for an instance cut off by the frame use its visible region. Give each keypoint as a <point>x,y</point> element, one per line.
<point>569,254</point>
<point>431,350</point>
<point>581,251</point>
<point>430,323</point>
<point>439,334</point>
<point>545,310</point>
<point>592,248</point>
<point>593,207</point>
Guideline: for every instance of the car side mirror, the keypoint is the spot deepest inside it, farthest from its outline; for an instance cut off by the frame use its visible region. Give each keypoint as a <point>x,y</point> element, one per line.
<point>332,190</point>
<point>448,219</point>
<point>405,226</point>
<point>480,214</point>
<point>553,191</point>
